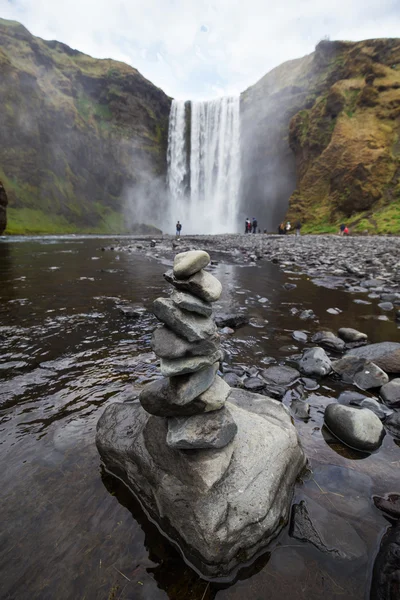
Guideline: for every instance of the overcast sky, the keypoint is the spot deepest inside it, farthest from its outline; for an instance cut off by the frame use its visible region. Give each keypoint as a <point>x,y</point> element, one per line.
<point>199,48</point>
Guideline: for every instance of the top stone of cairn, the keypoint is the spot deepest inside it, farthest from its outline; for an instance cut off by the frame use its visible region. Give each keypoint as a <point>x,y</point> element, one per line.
<point>189,263</point>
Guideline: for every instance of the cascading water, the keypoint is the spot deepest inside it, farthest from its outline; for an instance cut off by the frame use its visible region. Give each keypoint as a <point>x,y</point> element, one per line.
<point>204,179</point>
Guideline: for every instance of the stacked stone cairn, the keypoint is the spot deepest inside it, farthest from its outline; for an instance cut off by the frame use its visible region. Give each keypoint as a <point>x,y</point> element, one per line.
<point>191,394</point>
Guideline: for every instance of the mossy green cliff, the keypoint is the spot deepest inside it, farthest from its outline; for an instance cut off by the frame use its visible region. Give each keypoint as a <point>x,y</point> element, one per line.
<point>324,130</point>
<point>81,138</point>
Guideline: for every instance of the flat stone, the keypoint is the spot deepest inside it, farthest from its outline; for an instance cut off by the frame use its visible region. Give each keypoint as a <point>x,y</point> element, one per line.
<point>201,284</point>
<point>210,430</point>
<point>309,384</point>
<point>386,306</point>
<point>222,507</point>
<point>191,303</point>
<point>331,534</point>
<point>300,336</point>
<point>178,395</point>
<point>384,354</point>
<point>350,397</point>
<point>189,263</point>
<point>167,344</point>
<point>364,373</point>
<point>315,362</point>
<point>390,393</point>
<point>188,325</point>
<point>360,429</point>
<point>253,384</point>
<point>181,366</point>
<point>280,375</point>
<point>233,380</point>
<point>327,339</point>
<point>234,320</point>
<point>348,334</point>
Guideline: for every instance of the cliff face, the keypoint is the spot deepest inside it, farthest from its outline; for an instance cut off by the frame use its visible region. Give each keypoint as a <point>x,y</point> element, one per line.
<point>3,207</point>
<point>80,138</point>
<point>324,130</point>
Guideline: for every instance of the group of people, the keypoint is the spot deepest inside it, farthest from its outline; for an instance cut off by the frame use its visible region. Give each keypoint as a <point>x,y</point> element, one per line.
<point>343,229</point>
<point>250,226</point>
<point>287,227</point>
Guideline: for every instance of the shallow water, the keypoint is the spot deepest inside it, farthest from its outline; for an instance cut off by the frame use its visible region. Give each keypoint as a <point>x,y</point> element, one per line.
<point>70,531</point>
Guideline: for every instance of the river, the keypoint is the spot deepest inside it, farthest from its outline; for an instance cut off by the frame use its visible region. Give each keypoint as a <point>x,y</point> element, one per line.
<point>72,532</point>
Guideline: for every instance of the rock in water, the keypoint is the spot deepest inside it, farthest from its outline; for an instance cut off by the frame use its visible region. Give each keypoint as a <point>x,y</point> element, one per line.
<point>191,303</point>
<point>328,340</point>
<point>384,354</point>
<point>202,284</point>
<point>223,506</point>
<point>351,335</point>
<point>182,366</point>
<point>189,263</point>
<point>167,344</point>
<point>315,362</point>
<point>280,375</point>
<point>385,575</point>
<point>210,430</point>
<point>390,393</point>
<point>360,371</point>
<point>358,428</point>
<point>188,325</point>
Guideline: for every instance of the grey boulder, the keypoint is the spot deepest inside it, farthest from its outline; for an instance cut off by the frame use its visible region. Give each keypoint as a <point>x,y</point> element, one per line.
<point>188,325</point>
<point>280,375</point>
<point>327,339</point>
<point>210,430</point>
<point>191,303</point>
<point>358,428</point>
<point>390,393</point>
<point>201,284</point>
<point>179,395</point>
<point>384,354</point>
<point>183,366</point>
<point>365,374</point>
<point>315,362</point>
<point>221,507</point>
<point>348,334</point>
<point>189,263</point>
<point>167,344</point>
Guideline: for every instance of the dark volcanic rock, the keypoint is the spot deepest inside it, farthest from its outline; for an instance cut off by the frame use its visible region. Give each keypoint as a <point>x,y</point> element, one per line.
<point>233,320</point>
<point>384,354</point>
<point>211,430</point>
<point>328,532</point>
<point>358,428</point>
<point>3,208</point>
<point>386,573</point>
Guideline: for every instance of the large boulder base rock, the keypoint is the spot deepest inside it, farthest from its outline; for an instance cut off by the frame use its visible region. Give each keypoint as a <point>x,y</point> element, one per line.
<point>358,428</point>
<point>221,507</point>
<point>189,263</point>
<point>384,354</point>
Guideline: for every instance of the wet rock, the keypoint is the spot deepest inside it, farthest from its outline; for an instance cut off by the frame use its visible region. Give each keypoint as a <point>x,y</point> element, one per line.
<point>362,372</point>
<point>360,301</point>
<point>191,303</point>
<point>333,311</point>
<point>300,336</point>
<point>348,334</point>
<point>233,380</point>
<point>327,339</point>
<point>384,354</point>
<point>234,320</point>
<point>189,263</point>
<point>328,532</point>
<point>274,391</point>
<point>182,366</point>
<point>209,495</point>
<point>176,395</point>
<point>215,396</point>
<point>201,284</point>
<point>167,344</point>
<point>392,297</point>
<point>379,409</point>
<point>372,283</point>
<point>132,311</point>
<point>213,430</point>
<point>360,429</point>
<point>254,384</point>
<point>385,575</point>
<point>299,409</point>
<point>315,362</point>
<point>309,384</point>
<point>188,325</point>
<point>350,397</point>
<point>306,315</point>
<point>390,505</point>
<point>392,425</point>
<point>386,306</point>
<point>289,286</point>
<point>390,393</point>
<point>280,375</point>
<point>226,331</point>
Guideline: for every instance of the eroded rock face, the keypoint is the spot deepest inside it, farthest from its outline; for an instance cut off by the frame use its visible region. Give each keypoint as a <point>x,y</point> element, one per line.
<point>3,208</point>
<point>221,506</point>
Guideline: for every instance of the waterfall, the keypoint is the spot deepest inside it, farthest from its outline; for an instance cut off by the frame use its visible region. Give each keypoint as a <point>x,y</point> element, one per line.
<point>204,179</point>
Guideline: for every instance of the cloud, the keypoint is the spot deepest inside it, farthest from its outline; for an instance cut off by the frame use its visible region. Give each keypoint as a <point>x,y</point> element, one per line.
<point>191,48</point>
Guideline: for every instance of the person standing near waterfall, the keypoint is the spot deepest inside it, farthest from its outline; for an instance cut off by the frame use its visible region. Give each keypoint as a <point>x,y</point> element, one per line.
<point>178,229</point>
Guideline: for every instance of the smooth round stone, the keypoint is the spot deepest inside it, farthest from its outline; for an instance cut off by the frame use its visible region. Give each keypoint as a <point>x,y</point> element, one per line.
<point>348,334</point>
<point>210,430</point>
<point>390,393</point>
<point>300,336</point>
<point>315,362</point>
<point>360,429</point>
<point>328,340</point>
<point>189,263</point>
<point>386,306</point>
